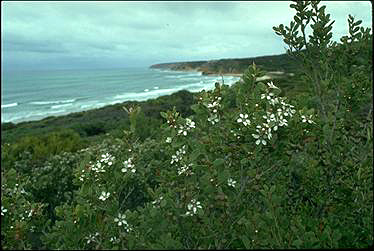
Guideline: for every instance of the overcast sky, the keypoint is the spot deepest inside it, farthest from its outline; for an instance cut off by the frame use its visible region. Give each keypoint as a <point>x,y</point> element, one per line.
<point>75,35</point>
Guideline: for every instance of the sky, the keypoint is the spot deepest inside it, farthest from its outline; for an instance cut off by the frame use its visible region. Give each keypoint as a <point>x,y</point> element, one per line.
<point>90,35</point>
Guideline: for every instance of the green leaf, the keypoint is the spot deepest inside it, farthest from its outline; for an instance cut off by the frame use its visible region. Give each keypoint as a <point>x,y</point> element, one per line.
<point>223,176</point>
<point>297,243</point>
<point>219,162</point>
<point>297,19</point>
<point>196,154</point>
<point>357,23</point>
<point>153,212</point>
<point>310,236</point>
<point>163,203</point>
<point>164,115</point>
<point>336,235</point>
<point>251,173</point>
<point>246,242</point>
<point>244,162</point>
<point>196,108</point>
<point>359,173</point>
<point>272,189</point>
<point>276,91</point>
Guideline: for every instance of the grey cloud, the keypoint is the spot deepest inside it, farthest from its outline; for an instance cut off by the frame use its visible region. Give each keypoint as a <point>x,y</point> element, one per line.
<point>19,44</point>
<point>81,34</point>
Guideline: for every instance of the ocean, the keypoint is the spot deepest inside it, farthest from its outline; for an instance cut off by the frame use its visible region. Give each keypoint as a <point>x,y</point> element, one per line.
<point>33,95</point>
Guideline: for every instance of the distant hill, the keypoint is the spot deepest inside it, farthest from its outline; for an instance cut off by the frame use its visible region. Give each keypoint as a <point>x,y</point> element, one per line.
<point>282,62</point>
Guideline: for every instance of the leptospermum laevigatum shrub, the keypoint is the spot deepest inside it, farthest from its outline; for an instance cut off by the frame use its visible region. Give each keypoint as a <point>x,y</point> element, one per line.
<point>338,74</point>
<point>249,169</point>
<point>22,218</point>
<point>200,187</point>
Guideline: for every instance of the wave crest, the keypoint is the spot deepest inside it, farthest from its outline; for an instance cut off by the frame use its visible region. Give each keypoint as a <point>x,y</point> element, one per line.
<point>53,102</point>
<point>9,105</point>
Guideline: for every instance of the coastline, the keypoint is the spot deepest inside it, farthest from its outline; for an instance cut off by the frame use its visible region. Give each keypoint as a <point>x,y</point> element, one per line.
<point>149,86</point>
<point>77,114</point>
<point>99,121</point>
<point>268,74</point>
<point>274,67</point>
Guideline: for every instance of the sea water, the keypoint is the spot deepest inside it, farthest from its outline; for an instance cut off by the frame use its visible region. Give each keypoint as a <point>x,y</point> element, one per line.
<point>33,95</point>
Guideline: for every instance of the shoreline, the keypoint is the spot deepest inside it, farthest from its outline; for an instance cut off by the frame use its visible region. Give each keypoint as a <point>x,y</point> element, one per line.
<point>268,76</point>
<point>17,116</point>
<point>210,74</point>
<point>41,118</point>
<point>99,121</point>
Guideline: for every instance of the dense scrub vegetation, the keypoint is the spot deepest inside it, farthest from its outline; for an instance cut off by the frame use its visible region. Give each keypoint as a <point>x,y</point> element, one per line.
<point>255,165</point>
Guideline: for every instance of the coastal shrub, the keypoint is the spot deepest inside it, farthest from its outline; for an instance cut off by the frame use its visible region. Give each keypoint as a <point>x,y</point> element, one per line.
<point>336,72</point>
<point>92,129</point>
<point>176,181</point>
<point>248,168</point>
<point>22,219</point>
<point>39,148</point>
<point>52,181</point>
<point>7,126</point>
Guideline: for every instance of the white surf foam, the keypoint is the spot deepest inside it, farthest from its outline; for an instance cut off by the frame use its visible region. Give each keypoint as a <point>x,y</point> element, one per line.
<point>53,102</point>
<point>9,105</point>
<point>60,106</point>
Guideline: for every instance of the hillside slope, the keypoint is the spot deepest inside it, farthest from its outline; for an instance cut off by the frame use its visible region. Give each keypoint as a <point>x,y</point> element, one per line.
<point>282,62</point>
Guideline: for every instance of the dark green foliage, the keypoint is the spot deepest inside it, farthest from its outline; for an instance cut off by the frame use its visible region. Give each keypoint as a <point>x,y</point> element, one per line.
<point>39,148</point>
<point>188,171</point>
<point>7,126</point>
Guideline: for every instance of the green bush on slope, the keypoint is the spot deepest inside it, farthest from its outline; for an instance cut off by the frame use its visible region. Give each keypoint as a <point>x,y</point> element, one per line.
<point>247,168</point>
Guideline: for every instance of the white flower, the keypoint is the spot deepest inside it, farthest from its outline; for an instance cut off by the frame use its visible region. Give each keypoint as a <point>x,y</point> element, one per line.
<point>188,126</point>
<point>92,237</point>
<point>231,182</point>
<point>121,221</point>
<point>258,141</point>
<point>156,202</point>
<point>262,141</point>
<point>128,165</point>
<point>185,169</point>
<point>243,118</point>
<point>104,196</point>
<point>213,119</point>
<point>107,158</point>
<point>246,122</point>
<point>3,210</point>
<point>190,123</point>
<point>192,207</point>
<point>178,155</point>
<point>181,131</point>
<point>30,213</point>
<point>114,239</point>
<point>168,140</point>
<point>305,119</point>
<point>271,85</point>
